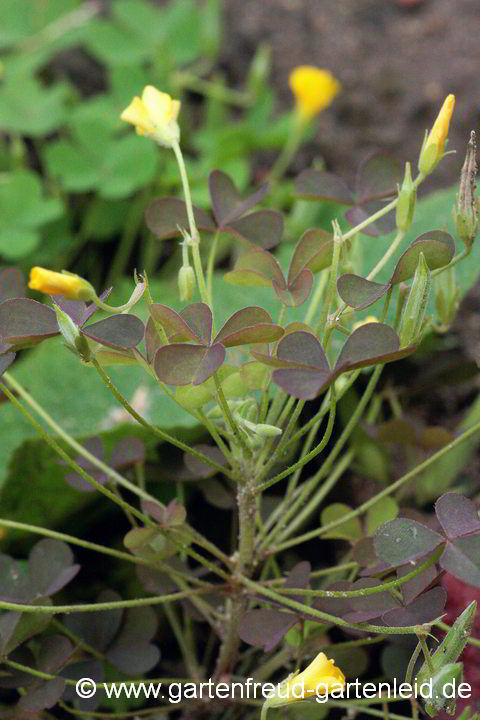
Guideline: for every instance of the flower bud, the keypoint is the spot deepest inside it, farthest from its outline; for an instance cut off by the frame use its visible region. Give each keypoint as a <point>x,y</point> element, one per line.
<point>186,283</point>
<point>444,689</point>
<point>407,197</point>
<point>416,305</point>
<point>71,286</point>
<point>433,146</point>
<point>71,334</point>
<point>446,296</point>
<point>465,210</point>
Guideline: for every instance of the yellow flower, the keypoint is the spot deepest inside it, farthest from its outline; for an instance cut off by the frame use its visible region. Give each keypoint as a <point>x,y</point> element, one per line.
<point>434,145</point>
<point>314,90</point>
<point>319,678</point>
<point>154,115</point>
<point>54,283</point>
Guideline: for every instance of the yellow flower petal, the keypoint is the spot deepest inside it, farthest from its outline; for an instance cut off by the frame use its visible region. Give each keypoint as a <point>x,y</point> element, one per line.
<point>314,89</point>
<point>154,114</point>
<point>433,148</point>
<point>55,283</point>
<point>320,677</point>
<point>439,131</point>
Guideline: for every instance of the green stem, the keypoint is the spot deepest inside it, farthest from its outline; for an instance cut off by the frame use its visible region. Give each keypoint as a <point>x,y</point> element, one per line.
<point>426,653</point>
<point>166,437</point>
<point>309,456</point>
<point>383,261</point>
<point>230,420</point>
<point>332,284</point>
<point>71,463</point>
<point>96,462</point>
<point>313,612</point>
<point>382,587</point>
<point>307,511</point>
<point>194,236</point>
<point>317,296</point>
<point>94,607</point>
<point>411,663</point>
<point>291,146</point>
<point>383,493</point>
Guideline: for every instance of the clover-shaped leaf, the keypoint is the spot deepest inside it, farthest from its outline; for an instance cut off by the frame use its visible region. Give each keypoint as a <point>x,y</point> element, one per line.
<point>182,364</point>
<point>50,568</point>
<point>261,228</point>
<point>265,627</point>
<point>126,452</point>
<point>96,159</point>
<point>377,178</point>
<point>403,540</point>
<point>303,369</point>
<point>114,631</point>
<point>54,652</point>
<point>438,248</point>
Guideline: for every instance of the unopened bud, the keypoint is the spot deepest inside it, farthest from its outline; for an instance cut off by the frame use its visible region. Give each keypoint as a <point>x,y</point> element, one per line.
<point>71,334</point>
<point>465,210</point>
<point>433,148</point>
<point>186,283</point>
<point>446,296</point>
<point>416,305</point>
<point>407,197</point>
<point>444,689</point>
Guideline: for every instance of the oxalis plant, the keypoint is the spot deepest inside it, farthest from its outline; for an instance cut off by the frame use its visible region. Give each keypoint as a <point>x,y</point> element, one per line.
<point>265,391</point>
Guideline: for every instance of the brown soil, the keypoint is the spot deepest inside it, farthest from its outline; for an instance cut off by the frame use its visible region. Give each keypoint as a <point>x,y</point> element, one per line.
<point>396,62</point>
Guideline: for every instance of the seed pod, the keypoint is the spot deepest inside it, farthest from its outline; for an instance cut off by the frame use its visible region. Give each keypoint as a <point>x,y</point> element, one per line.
<point>407,198</point>
<point>465,209</point>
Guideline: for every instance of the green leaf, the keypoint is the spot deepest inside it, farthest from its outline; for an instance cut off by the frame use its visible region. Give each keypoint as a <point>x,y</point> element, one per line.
<point>79,402</point>
<point>349,530</point>
<point>384,510</point>
<point>23,209</point>
<point>27,108</point>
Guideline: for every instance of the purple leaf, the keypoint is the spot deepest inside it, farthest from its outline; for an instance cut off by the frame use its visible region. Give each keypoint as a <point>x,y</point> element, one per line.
<point>438,248</point>
<point>94,445</point>
<point>50,567</point>
<point>258,268</point>
<point>402,540</point>
<point>44,696</point>
<point>54,653</point>
<point>5,361</point>
<point>92,308</point>
<point>377,177</point>
<point>227,203</point>
<point>12,284</point>
<point>98,628</point>
<point>165,216</point>
<point>128,451</point>
<point>462,559</point>
<point>358,292</point>
<point>370,606</point>
<point>153,341</point>
<point>297,290</point>
<point>314,251</point>
<point>417,585</point>
<point>262,228</point>
<point>249,325</point>
<point>117,331</point>
<point>370,344</point>
<point>320,185</point>
<point>265,628</point>
<point>306,373</point>
<point>199,468</point>
<point>302,349</point>
<point>423,609</point>
<point>175,325</point>
<point>26,322</point>
<point>457,515</point>
<point>198,317</point>
<point>76,309</point>
<point>180,364</point>
<point>356,215</point>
